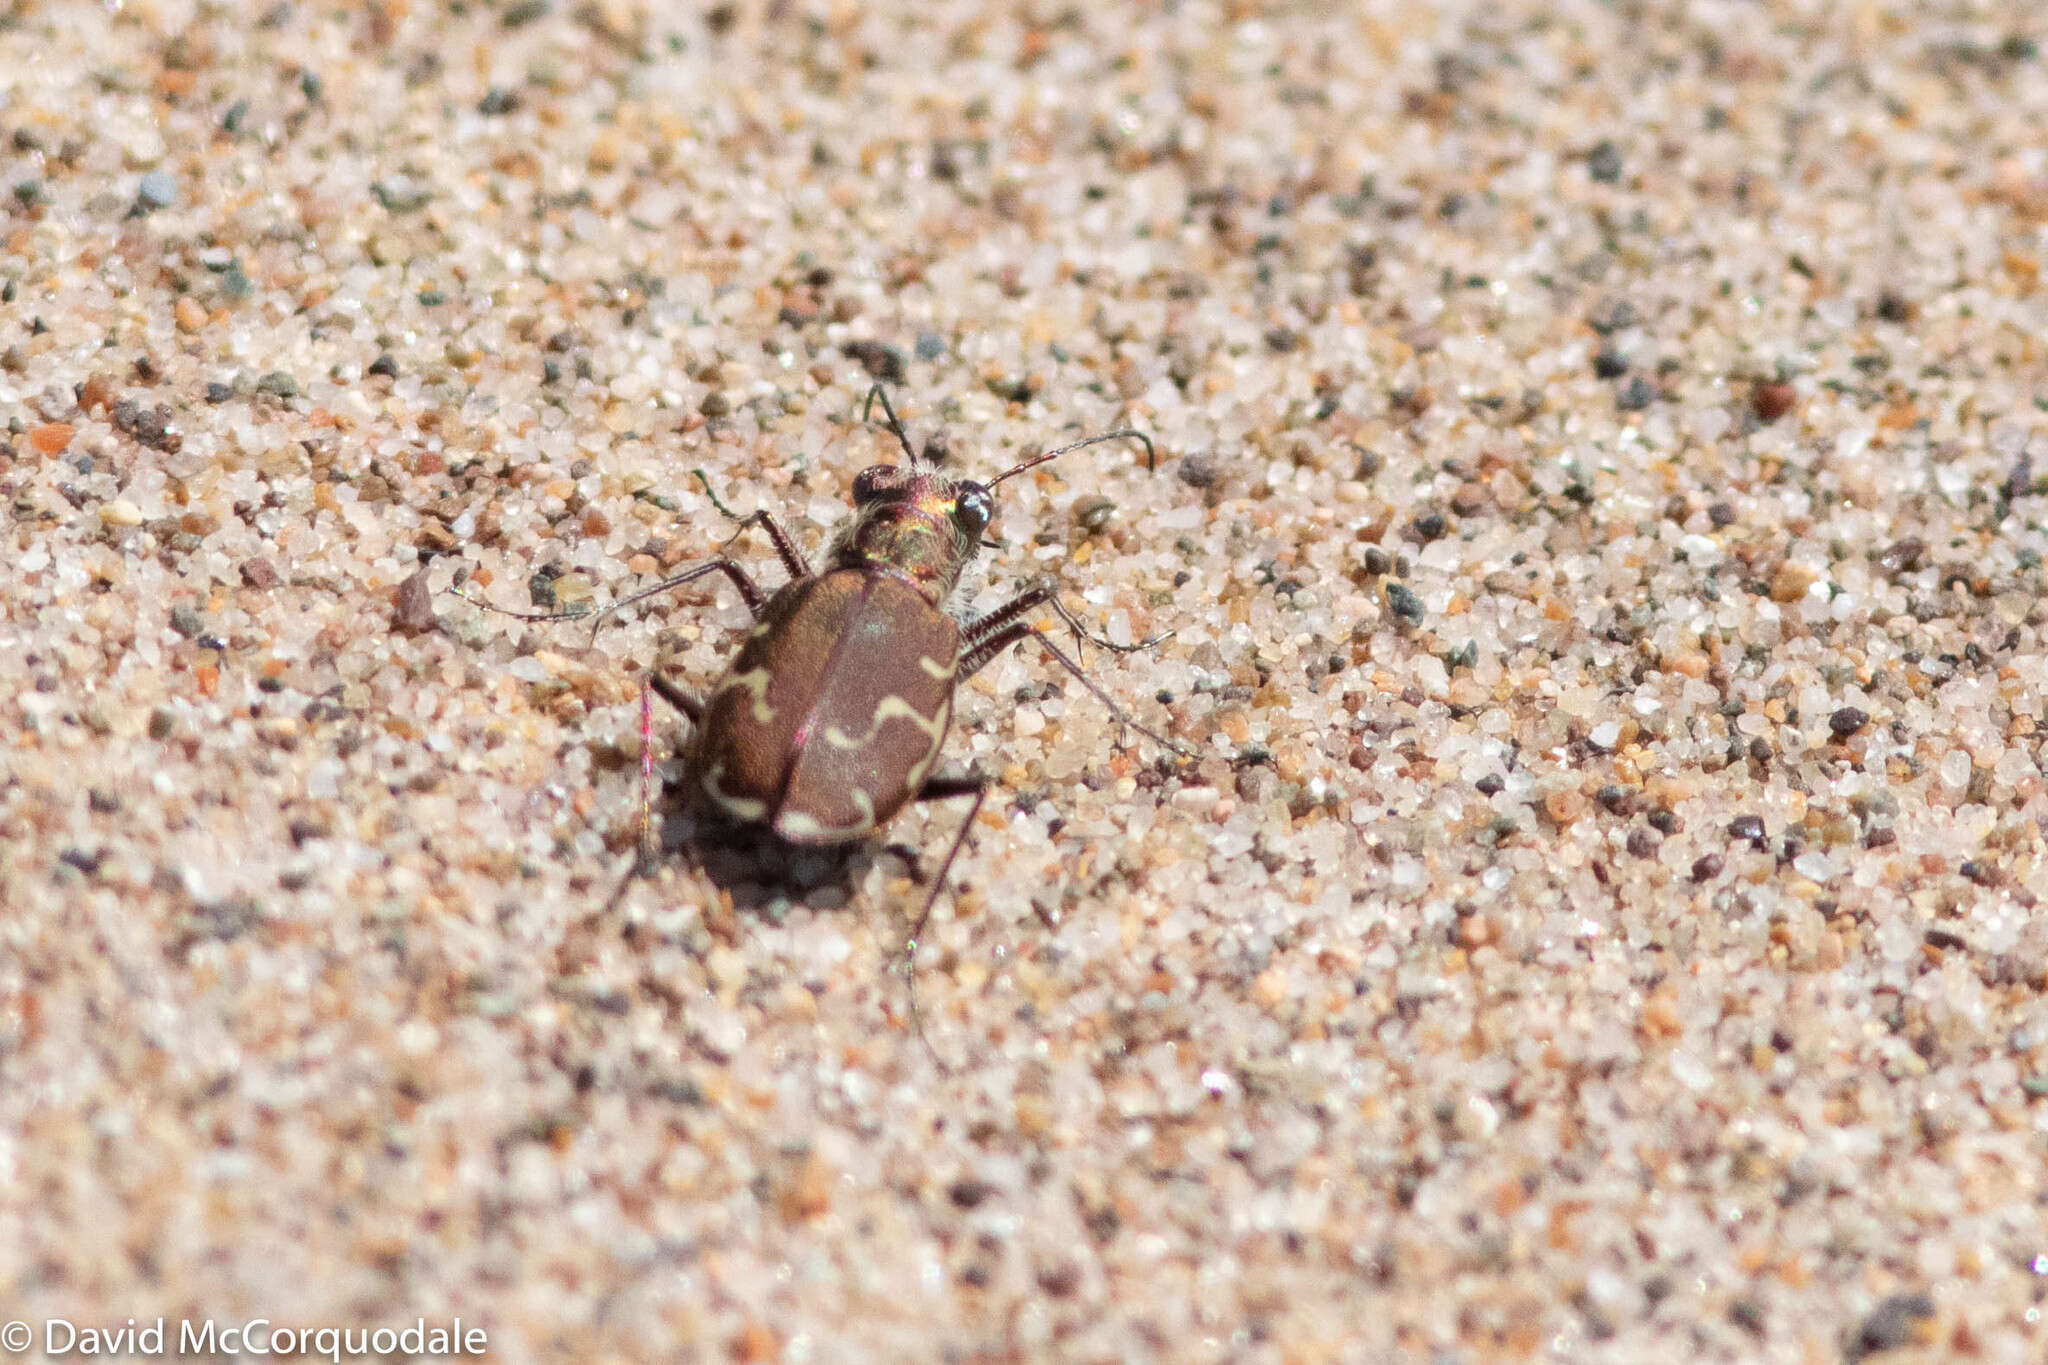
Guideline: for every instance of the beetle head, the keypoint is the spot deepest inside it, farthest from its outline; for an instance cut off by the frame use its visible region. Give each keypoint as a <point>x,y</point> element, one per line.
<point>926,525</point>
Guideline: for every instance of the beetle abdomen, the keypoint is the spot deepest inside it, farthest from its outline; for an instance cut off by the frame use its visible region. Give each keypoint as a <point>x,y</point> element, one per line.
<point>833,711</point>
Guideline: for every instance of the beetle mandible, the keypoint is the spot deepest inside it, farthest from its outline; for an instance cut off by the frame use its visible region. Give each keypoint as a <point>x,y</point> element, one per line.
<point>831,715</point>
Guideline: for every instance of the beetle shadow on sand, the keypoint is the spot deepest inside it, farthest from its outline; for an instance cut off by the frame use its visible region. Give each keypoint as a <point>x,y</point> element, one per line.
<point>765,875</point>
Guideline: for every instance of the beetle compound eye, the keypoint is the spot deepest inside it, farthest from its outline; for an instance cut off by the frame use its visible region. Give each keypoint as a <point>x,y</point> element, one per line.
<point>974,507</point>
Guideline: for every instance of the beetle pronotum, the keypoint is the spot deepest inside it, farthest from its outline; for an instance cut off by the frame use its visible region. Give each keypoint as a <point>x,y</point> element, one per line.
<point>831,715</point>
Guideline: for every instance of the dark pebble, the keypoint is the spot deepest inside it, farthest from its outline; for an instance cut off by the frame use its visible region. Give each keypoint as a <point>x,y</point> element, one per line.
<point>883,362</point>
<point>412,609</point>
<point>1404,603</point>
<point>1903,556</point>
<point>1604,165</point>
<point>1638,394</point>
<point>401,196</point>
<point>186,620</point>
<point>217,394</point>
<point>1491,785</point>
<point>85,860</point>
<point>1093,512</point>
<point>1750,827</point>
<point>1847,721</point>
<point>384,365</point>
<point>1062,1281</point>
<point>278,384</point>
<point>1200,470</point>
<point>260,574</point>
<point>1706,868</point>
<point>1898,1321</point>
<point>1429,527</point>
<point>1609,364</point>
<point>1772,401</point>
<point>1644,843</point>
<point>1749,1315</point>
<point>930,346</point>
<point>147,426</point>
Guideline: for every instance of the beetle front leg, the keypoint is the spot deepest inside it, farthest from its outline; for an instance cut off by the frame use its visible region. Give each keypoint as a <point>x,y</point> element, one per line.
<point>978,644</point>
<point>749,590</point>
<point>1004,626</point>
<point>785,544</point>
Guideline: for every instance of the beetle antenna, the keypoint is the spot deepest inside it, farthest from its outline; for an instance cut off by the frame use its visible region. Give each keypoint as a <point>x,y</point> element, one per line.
<point>895,425</point>
<point>1151,458</point>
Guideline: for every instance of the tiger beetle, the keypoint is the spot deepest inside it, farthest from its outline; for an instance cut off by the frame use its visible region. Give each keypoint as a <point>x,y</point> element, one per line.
<point>830,718</point>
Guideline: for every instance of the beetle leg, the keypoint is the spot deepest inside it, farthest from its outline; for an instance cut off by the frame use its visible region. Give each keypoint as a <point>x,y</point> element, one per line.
<point>940,789</point>
<point>984,630</point>
<point>785,544</point>
<point>646,850</point>
<point>977,640</point>
<point>984,645</point>
<point>749,590</point>
<point>676,697</point>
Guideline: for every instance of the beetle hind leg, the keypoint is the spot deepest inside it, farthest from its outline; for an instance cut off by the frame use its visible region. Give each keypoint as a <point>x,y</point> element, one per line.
<point>939,789</point>
<point>691,708</point>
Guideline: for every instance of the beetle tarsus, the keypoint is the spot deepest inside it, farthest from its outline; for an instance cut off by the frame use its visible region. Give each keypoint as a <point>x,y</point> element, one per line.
<point>786,549</point>
<point>1083,633</point>
<point>712,493</point>
<point>577,615</point>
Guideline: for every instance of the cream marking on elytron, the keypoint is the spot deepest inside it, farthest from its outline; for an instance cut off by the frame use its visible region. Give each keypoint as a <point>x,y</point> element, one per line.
<point>886,710</point>
<point>739,807</point>
<point>756,681</point>
<point>932,666</point>
<point>803,825</point>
